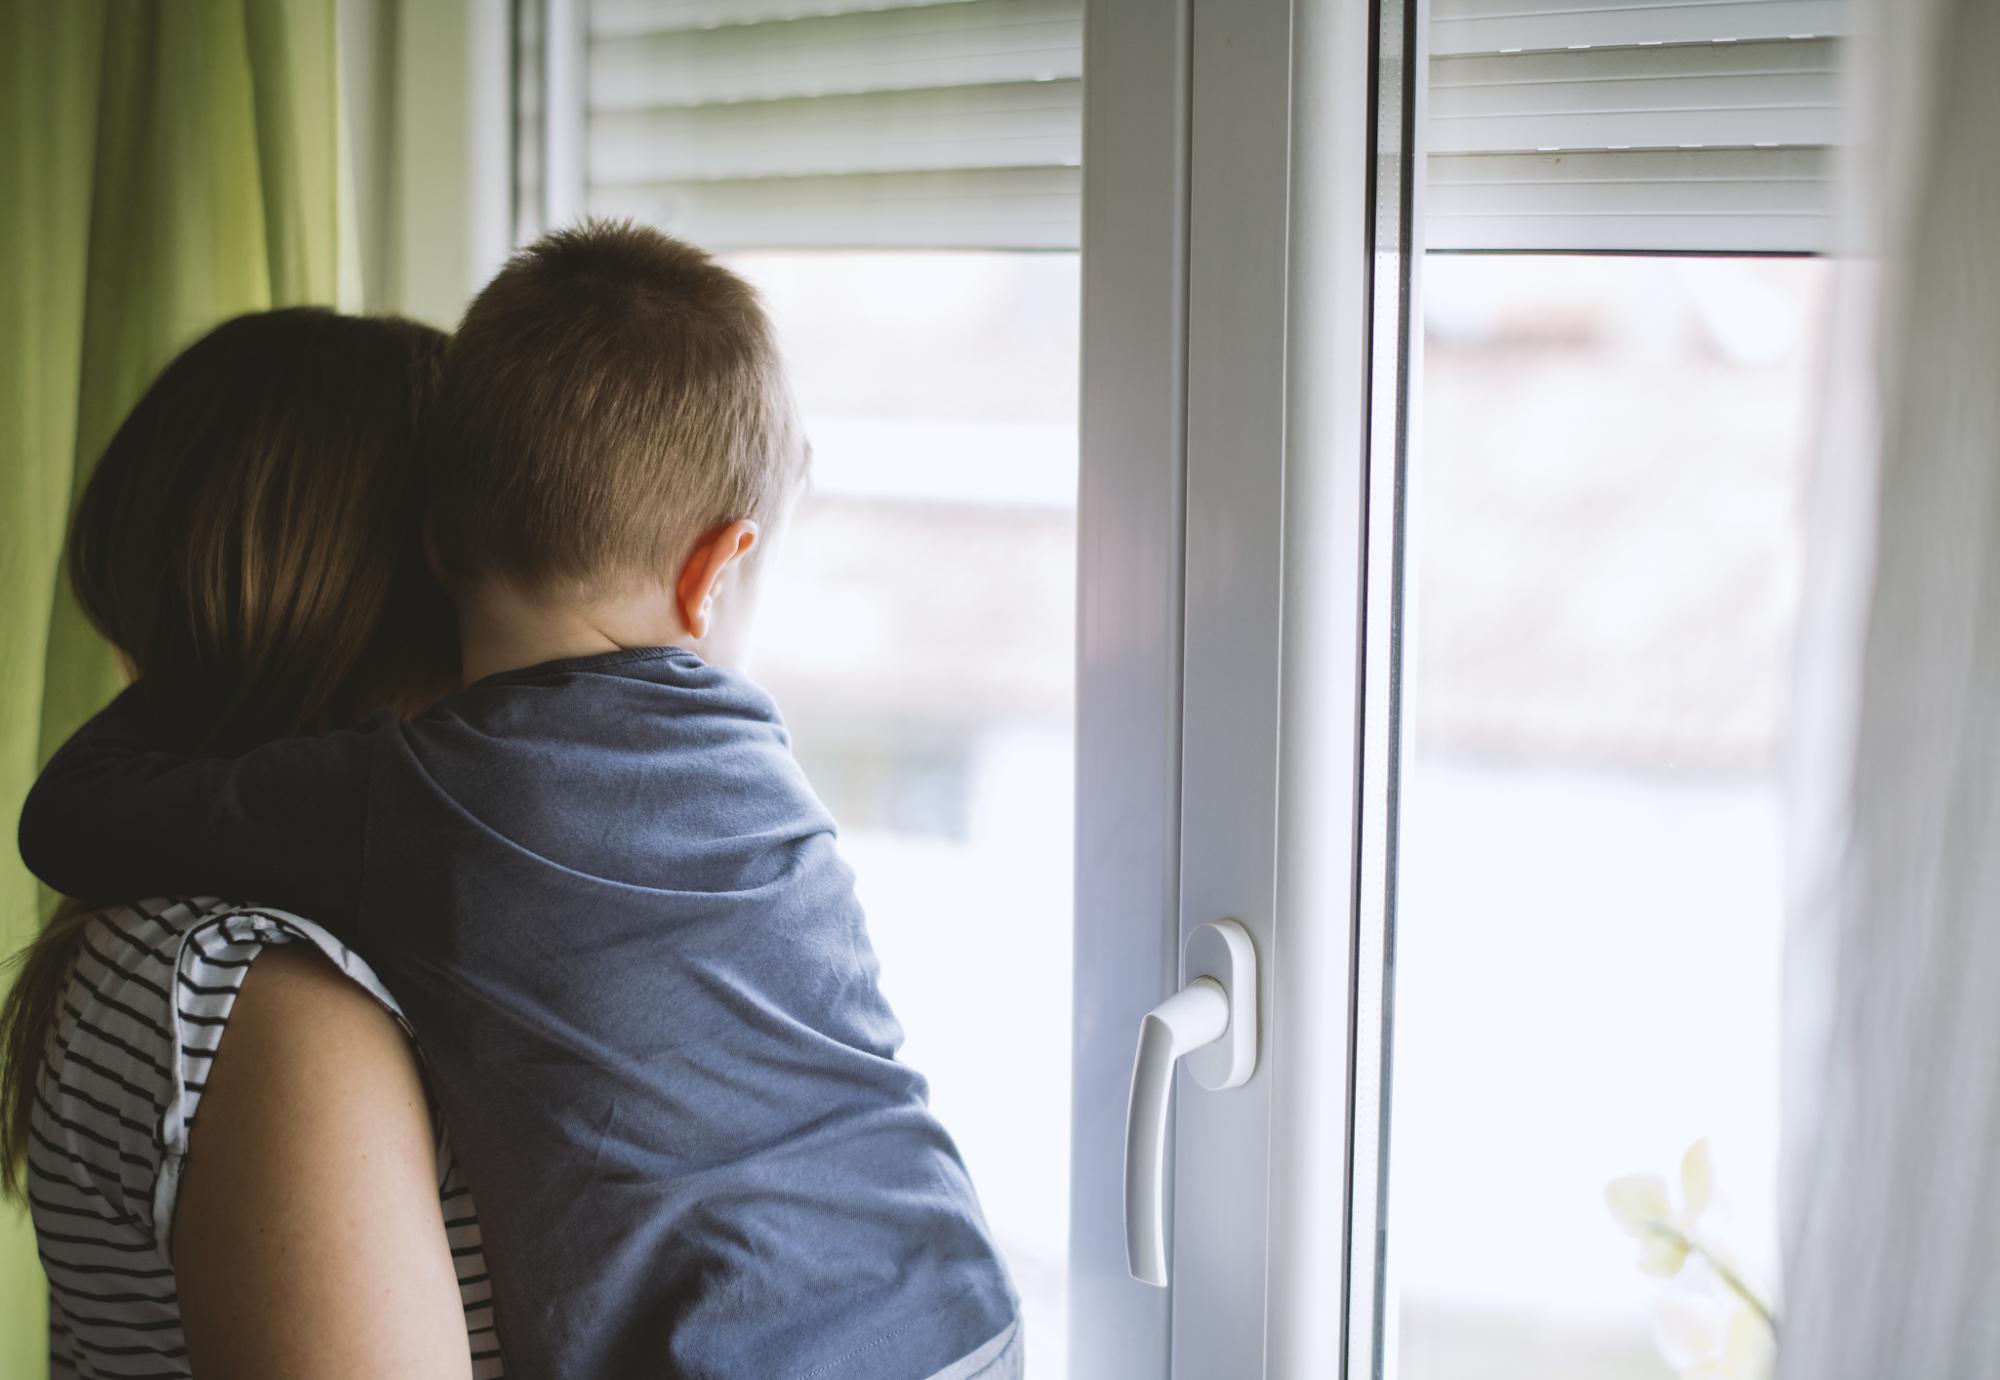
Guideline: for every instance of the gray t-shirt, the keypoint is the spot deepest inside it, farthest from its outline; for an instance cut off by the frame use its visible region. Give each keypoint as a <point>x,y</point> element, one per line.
<point>615,915</point>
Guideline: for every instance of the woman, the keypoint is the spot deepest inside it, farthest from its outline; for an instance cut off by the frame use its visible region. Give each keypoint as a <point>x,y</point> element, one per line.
<point>249,544</point>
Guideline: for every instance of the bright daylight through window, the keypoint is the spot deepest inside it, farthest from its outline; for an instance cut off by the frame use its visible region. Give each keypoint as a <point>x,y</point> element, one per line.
<point>919,638</point>
<point>1605,548</point>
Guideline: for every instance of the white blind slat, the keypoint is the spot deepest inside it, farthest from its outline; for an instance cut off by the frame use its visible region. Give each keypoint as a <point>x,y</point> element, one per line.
<point>1745,201</point>
<point>1741,94</point>
<point>625,18</point>
<point>1676,232</point>
<point>1006,208</point>
<point>1037,125</point>
<point>1500,26</point>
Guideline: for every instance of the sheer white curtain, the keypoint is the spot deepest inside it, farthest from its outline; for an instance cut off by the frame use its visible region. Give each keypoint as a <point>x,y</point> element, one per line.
<point>1892,1231</point>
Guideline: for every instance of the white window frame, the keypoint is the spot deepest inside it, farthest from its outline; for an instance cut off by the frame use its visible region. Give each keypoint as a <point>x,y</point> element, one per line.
<point>1248,210</point>
<point>1248,213</point>
<point>1129,666</point>
<point>427,111</point>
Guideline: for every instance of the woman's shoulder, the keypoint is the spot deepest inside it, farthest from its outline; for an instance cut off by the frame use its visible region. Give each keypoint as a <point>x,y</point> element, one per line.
<point>152,988</point>
<point>203,946</point>
<point>137,1023</point>
<point>320,1060</point>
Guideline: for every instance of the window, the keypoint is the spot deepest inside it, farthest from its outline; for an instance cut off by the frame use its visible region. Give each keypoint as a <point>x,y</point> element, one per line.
<point>902,184</point>
<point>1601,566</point>
<point>918,635</point>
<point>1604,542</point>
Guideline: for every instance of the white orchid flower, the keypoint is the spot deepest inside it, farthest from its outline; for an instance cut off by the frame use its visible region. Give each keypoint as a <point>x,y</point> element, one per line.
<point>1701,1337</point>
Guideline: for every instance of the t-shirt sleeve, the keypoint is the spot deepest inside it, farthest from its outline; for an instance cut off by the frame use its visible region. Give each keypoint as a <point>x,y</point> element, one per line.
<point>115,816</point>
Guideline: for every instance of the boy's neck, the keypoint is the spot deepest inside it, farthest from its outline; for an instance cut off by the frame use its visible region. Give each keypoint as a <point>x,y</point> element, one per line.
<point>502,628</point>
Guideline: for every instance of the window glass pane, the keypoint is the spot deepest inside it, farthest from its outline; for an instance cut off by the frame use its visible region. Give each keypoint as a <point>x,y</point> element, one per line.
<point>1605,547</point>
<point>918,636</point>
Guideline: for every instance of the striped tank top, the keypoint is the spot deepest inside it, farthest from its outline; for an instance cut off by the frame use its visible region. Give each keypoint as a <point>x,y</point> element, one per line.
<point>114,1101</point>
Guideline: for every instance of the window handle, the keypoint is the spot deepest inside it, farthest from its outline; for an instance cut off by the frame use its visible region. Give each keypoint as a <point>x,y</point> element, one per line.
<point>1212,1022</point>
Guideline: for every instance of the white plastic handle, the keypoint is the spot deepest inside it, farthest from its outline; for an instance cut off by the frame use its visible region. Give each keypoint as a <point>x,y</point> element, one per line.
<point>1216,1012</point>
<point>1192,1017</point>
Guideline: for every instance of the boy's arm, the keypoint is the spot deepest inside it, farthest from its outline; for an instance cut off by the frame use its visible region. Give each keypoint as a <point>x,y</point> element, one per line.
<point>115,817</point>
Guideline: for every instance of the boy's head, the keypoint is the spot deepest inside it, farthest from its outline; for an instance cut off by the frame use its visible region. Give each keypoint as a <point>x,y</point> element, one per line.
<point>613,400</point>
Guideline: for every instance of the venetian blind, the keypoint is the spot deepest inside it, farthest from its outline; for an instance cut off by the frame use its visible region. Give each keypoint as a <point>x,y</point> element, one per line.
<point>837,123</point>
<point>1637,125</point>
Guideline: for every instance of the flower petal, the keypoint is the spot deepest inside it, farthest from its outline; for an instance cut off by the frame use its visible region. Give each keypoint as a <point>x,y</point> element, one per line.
<point>1637,1201</point>
<point>1697,1179</point>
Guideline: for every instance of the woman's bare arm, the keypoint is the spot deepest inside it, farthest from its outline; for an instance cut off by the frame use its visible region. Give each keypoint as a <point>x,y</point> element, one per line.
<point>308,1241</point>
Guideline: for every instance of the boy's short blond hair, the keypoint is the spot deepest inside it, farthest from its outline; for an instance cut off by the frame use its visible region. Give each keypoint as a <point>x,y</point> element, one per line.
<point>611,396</point>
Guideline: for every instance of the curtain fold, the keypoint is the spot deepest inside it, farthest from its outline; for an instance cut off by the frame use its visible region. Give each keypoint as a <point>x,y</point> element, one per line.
<point>164,167</point>
<point>49,94</point>
<point>1892,1201</point>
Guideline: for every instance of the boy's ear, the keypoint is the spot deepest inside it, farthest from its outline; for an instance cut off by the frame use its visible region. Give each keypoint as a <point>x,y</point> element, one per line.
<point>694,592</point>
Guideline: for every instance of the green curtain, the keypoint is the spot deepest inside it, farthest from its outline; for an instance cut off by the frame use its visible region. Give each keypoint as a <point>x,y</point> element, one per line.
<point>164,166</point>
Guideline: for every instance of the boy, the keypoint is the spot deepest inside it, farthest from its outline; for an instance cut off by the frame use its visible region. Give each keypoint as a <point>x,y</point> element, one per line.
<point>595,878</point>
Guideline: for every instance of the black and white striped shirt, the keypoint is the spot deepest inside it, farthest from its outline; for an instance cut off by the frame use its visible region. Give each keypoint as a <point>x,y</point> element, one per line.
<point>115,1099</point>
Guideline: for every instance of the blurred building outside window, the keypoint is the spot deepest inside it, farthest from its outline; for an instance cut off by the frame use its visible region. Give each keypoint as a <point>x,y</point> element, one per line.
<point>1605,545</point>
<point>1605,550</point>
<point>918,636</point>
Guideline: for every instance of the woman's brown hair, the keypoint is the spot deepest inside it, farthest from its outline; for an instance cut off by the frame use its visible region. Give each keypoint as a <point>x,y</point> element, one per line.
<point>249,542</point>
